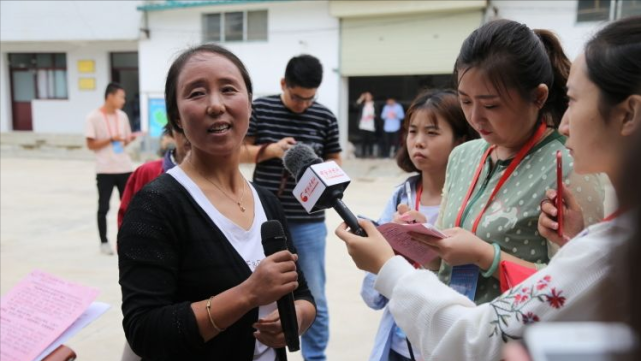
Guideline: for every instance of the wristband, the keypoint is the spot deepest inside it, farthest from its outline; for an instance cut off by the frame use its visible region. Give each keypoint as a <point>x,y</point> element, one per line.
<point>211,320</point>
<point>495,262</point>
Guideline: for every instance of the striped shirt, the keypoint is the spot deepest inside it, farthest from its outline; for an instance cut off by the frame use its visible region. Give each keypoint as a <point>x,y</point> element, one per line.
<point>270,122</point>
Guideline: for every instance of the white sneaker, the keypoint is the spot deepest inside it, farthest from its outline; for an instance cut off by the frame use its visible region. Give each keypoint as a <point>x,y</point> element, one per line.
<point>106,249</point>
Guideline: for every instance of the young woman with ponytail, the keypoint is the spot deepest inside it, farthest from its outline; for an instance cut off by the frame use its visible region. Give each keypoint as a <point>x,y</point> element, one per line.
<point>511,83</point>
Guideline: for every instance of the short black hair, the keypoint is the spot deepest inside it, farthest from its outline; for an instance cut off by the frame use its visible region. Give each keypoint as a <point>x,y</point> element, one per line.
<point>112,88</point>
<point>304,71</point>
<point>171,101</point>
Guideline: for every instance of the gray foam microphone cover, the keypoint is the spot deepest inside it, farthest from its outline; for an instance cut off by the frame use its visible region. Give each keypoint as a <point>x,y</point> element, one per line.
<point>297,157</point>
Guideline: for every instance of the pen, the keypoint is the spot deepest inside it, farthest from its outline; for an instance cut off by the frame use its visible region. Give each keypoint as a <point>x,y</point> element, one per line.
<point>408,191</point>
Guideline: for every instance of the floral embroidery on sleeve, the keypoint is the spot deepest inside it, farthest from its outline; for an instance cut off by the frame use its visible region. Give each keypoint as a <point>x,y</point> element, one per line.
<point>509,307</point>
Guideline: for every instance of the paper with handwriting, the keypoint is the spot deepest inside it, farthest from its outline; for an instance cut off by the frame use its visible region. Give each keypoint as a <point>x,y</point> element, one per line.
<point>399,238</point>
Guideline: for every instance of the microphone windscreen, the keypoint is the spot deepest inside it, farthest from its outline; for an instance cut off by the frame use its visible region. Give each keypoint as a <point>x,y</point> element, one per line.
<point>298,157</point>
<point>273,237</point>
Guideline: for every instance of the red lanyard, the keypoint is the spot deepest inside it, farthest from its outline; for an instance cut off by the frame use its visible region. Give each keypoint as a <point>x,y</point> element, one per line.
<point>614,215</point>
<point>107,122</point>
<point>419,193</point>
<point>508,172</point>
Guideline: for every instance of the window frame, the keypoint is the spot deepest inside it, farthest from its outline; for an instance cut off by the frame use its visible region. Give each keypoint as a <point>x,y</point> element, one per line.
<point>34,68</point>
<point>619,8</point>
<point>593,10</point>
<point>222,27</point>
<point>615,11</point>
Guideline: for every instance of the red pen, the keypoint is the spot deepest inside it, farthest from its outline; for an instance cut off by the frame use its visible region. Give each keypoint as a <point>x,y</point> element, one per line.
<point>559,192</point>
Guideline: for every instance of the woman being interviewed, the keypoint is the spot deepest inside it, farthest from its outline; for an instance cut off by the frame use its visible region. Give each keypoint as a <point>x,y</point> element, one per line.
<point>195,281</point>
<point>602,123</point>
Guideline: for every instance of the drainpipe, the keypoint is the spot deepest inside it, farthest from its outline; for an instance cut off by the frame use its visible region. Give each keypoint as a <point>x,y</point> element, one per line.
<point>145,25</point>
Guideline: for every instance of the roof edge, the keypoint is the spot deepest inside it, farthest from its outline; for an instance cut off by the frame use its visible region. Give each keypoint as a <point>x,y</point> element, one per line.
<point>171,5</point>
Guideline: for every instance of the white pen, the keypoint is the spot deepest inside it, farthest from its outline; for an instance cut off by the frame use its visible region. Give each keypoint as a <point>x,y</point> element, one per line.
<point>408,191</point>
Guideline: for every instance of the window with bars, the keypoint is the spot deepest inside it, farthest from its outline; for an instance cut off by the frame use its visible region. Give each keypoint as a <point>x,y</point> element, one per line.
<point>604,10</point>
<point>49,72</point>
<point>593,10</point>
<point>630,8</point>
<point>238,26</point>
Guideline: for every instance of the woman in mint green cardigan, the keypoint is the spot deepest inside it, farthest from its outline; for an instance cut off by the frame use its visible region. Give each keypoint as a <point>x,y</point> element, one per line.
<point>515,99</point>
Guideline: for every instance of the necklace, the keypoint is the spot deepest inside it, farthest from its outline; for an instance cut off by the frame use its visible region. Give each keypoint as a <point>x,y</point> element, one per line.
<point>242,195</point>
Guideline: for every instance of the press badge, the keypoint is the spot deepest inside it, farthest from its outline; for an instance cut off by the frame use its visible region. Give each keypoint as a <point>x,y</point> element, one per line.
<point>464,280</point>
<point>117,146</point>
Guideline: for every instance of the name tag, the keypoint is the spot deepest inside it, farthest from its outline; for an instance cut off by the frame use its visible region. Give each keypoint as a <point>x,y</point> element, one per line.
<point>464,280</point>
<point>118,147</point>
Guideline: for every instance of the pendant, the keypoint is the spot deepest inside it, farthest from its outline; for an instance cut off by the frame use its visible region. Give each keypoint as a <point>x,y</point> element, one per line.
<point>242,209</point>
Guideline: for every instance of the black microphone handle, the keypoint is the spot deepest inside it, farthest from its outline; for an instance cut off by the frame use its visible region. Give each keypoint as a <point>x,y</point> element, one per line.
<point>289,321</point>
<point>348,217</point>
<point>281,354</point>
<point>286,308</point>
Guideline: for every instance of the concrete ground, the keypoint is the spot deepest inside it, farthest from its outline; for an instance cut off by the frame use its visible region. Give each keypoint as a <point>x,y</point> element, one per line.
<point>48,208</point>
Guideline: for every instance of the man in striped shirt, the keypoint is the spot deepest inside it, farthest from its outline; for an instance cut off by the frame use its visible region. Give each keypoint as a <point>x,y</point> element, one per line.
<point>282,120</point>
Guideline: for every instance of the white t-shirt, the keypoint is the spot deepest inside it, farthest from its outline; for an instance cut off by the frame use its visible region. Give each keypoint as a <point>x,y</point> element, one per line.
<point>430,212</point>
<point>247,243</point>
<point>112,159</point>
<point>367,118</point>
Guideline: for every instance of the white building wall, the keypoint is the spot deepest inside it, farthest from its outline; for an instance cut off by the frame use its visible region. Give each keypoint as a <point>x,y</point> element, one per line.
<point>44,21</point>
<point>294,28</point>
<point>84,30</point>
<point>64,116</point>
<point>558,16</point>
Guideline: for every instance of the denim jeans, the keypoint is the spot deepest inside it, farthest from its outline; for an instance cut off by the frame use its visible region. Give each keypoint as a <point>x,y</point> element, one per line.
<point>309,240</point>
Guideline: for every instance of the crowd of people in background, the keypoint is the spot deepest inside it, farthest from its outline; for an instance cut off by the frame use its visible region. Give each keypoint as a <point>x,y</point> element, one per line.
<point>379,126</point>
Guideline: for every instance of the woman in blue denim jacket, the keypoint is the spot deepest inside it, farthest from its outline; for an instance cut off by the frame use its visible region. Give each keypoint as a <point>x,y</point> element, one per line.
<point>434,125</point>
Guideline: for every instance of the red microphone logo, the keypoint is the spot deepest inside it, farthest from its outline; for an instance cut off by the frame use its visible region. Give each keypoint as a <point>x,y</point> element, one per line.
<point>309,189</point>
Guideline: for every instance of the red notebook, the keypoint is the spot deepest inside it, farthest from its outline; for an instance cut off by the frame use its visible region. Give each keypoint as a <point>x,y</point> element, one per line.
<point>511,274</point>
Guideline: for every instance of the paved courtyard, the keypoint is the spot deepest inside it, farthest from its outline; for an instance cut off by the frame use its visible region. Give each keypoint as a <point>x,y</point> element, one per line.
<point>48,208</point>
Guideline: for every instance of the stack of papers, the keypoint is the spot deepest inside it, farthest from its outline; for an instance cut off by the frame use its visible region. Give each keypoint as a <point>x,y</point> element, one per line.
<point>42,312</point>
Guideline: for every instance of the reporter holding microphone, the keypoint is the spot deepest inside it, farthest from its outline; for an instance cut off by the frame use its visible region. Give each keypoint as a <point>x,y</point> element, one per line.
<point>195,280</point>
<point>603,125</point>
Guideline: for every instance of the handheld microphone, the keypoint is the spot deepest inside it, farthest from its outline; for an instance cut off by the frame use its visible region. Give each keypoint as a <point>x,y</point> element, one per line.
<point>319,185</point>
<point>274,240</point>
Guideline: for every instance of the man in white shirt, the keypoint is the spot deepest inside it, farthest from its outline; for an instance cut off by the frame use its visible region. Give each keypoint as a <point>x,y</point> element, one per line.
<point>108,132</point>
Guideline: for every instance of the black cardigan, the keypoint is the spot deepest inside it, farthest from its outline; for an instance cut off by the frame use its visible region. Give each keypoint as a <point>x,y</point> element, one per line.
<point>172,254</point>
